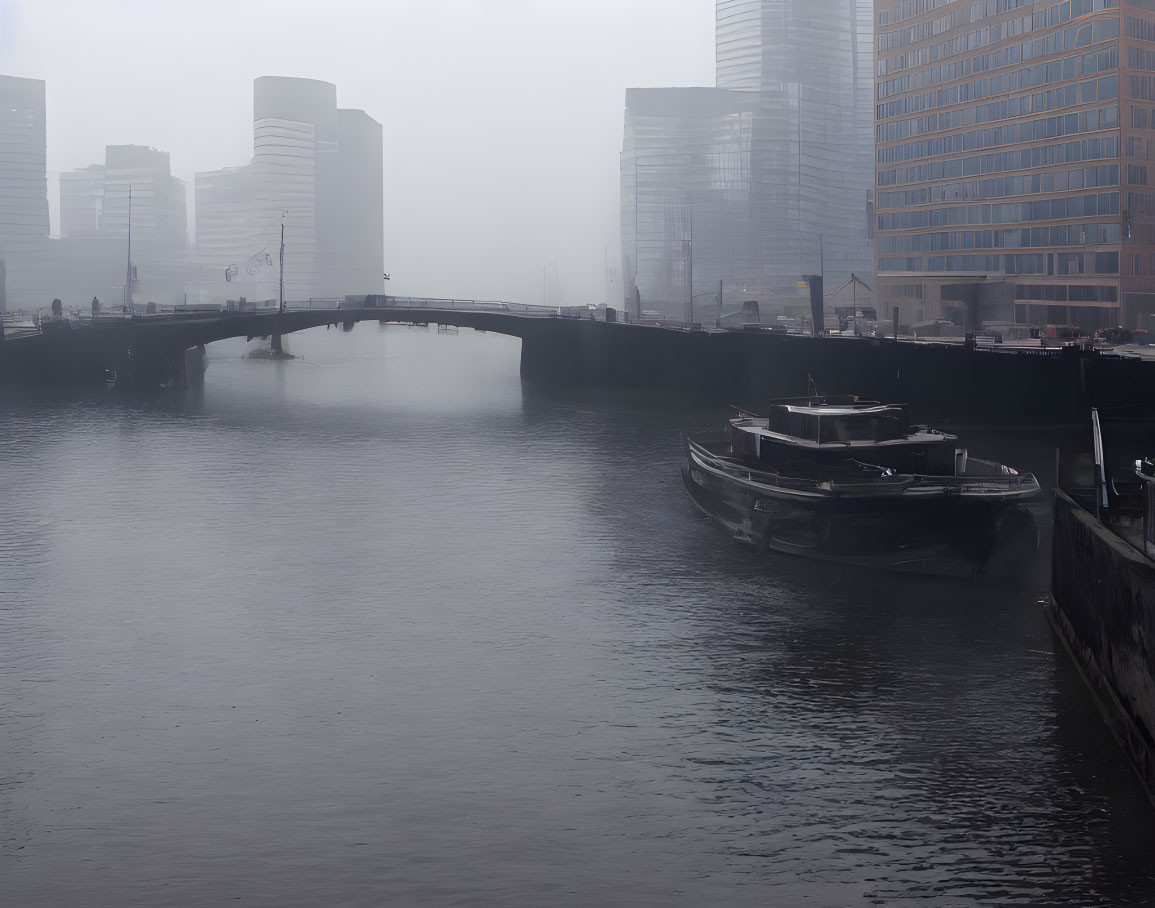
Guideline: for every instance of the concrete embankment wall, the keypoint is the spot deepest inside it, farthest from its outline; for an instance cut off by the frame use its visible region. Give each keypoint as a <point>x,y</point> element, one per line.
<point>942,383</point>
<point>1103,608</point>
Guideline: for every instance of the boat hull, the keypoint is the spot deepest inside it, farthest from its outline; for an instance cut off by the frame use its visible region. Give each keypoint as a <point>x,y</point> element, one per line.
<point>947,535</point>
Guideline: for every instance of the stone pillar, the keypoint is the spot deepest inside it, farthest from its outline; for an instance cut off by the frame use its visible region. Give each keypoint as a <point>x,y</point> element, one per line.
<point>972,315</point>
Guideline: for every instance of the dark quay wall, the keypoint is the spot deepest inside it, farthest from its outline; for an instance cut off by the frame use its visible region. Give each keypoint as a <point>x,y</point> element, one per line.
<point>1103,607</point>
<point>943,383</point>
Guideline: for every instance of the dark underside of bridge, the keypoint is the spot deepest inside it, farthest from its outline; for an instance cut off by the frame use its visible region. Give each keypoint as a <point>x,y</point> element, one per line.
<point>942,383</point>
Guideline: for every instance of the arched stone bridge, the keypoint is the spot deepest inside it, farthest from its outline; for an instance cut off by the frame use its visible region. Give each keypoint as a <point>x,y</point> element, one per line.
<point>152,349</point>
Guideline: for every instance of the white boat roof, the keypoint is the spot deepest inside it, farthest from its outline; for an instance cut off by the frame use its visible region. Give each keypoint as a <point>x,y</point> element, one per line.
<point>760,426</point>
<point>845,410</point>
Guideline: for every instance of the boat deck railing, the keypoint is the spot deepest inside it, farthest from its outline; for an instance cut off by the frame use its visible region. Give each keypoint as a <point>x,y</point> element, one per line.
<point>1009,484</point>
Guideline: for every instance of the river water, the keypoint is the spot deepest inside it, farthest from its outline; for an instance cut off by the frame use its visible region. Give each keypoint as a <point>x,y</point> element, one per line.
<point>381,626</point>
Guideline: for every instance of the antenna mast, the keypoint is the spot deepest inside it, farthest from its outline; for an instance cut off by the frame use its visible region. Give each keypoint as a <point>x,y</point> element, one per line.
<point>128,264</point>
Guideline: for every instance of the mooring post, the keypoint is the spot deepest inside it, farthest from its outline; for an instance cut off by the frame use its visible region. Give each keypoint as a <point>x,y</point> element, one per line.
<point>817,310</point>
<point>3,292</point>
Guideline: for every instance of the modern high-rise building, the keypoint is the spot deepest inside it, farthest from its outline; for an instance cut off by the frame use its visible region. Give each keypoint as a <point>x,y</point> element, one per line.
<point>350,217</point>
<point>1013,148</point>
<point>229,249</point>
<point>320,170</point>
<point>317,171</point>
<point>94,227</point>
<point>82,201</point>
<point>159,200</point>
<point>23,168</point>
<point>686,198</point>
<point>764,178</point>
<point>23,187</point>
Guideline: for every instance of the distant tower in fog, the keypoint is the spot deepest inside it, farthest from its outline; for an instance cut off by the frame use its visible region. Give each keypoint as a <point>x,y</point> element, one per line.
<point>763,178</point>
<point>320,169</point>
<point>23,157</point>
<point>23,188</point>
<point>227,234</point>
<point>81,201</point>
<point>159,200</point>
<point>94,219</point>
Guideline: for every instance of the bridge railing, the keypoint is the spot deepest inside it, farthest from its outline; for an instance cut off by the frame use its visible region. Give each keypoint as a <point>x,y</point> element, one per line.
<point>407,302</point>
<point>18,324</point>
<point>415,302</point>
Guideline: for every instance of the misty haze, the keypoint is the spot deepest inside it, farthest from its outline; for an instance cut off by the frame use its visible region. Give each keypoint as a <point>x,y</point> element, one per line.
<point>540,452</point>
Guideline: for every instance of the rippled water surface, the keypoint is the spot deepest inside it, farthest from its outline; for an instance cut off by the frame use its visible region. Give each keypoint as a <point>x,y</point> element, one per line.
<point>381,626</point>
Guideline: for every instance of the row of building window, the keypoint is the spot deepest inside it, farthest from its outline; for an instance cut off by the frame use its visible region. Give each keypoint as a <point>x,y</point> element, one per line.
<point>1142,117</point>
<point>1015,238</point>
<point>1142,264</point>
<point>908,9</point>
<point>1068,39</point>
<point>1038,263</point>
<point>1141,204</point>
<point>916,33</point>
<point>1006,109</point>
<point>1070,264</point>
<point>1018,159</point>
<point>1141,58</point>
<point>1008,264</point>
<point>1143,88</point>
<point>1062,293</point>
<point>1013,133</point>
<point>1102,203</point>
<point>1043,18</point>
<point>1027,77</point>
<point>904,291</point>
<point>1138,28</point>
<point>1001,187</point>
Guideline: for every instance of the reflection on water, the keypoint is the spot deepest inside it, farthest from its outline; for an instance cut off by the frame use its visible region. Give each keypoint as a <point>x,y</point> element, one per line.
<point>380,626</point>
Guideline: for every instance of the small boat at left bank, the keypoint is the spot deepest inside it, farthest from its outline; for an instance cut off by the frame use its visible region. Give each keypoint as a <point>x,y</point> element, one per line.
<point>854,481</point>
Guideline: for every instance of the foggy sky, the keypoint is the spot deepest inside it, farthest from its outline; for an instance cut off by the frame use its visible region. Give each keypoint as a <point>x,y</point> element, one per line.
<point>502,118</point>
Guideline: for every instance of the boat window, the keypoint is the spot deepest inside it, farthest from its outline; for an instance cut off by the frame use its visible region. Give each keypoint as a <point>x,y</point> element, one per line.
<point>804,425</point>
<point>875,427</point>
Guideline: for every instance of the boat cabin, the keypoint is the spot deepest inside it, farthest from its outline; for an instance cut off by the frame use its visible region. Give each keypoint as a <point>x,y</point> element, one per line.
<point>840,432</point>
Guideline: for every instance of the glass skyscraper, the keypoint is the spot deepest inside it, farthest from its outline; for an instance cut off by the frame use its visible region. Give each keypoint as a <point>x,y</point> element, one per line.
<point>1013,155</point>
<point>23,189</point>
<point>686,196</point>
<point>771,169</point>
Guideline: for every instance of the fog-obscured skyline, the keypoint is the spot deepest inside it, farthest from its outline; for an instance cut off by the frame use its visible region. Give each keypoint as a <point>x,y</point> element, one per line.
<point>502,118</point>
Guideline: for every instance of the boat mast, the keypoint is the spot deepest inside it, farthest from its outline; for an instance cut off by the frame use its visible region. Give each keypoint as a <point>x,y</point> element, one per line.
<point>128,263</point>
<point>281,306</point>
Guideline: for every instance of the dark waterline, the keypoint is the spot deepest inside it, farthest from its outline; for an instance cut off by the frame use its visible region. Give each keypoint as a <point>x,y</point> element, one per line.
<point>381,626</point>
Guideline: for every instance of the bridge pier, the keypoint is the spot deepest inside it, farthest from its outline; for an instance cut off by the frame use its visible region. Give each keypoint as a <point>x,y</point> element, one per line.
<point>194,363</point>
